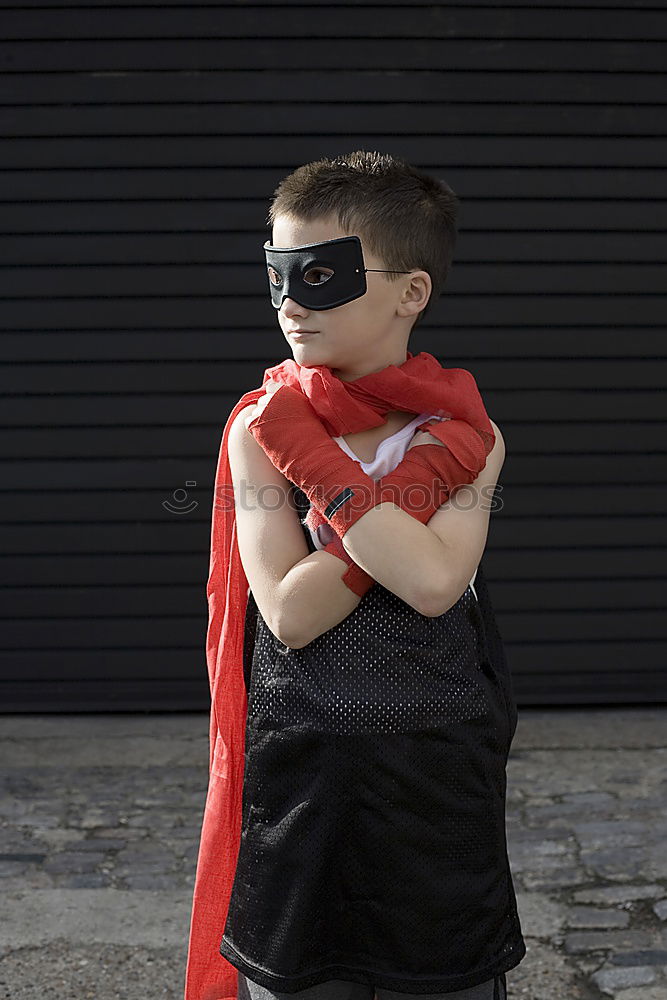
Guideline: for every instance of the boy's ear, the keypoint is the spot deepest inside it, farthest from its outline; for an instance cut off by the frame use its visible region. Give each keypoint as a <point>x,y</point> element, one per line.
<point>418,291</point>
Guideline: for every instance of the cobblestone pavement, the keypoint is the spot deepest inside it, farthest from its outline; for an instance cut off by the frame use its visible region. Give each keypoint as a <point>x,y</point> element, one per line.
<point>99,831</point>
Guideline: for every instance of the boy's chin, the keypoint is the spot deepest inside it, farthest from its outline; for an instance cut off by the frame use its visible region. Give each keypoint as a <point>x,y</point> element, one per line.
<point>310,354</point>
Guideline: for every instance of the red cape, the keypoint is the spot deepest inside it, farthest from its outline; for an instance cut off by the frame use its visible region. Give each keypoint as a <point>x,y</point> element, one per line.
<point>418,385</point>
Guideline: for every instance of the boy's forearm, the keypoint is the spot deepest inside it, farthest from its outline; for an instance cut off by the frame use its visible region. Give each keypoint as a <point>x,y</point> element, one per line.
<point>402,554</point>
<point>313,598</point>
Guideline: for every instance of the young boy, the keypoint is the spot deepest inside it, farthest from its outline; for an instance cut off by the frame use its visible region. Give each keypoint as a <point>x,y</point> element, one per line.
<point>371,854</point>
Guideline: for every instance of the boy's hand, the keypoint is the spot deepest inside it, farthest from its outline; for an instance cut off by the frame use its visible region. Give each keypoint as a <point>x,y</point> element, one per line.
<point>355,578</point>
<point>297,443</point>
<point>423,437</point>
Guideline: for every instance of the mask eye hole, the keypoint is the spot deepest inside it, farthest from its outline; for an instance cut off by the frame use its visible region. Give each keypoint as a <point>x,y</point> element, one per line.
<point>274,277</point>
<point>317,275</point>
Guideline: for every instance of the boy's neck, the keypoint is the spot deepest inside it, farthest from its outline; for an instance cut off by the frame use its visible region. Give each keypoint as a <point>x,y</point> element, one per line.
<point>398,358</point>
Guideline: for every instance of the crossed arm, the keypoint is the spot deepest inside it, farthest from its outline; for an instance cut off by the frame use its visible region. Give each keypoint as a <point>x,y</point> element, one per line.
<point>301,595</point>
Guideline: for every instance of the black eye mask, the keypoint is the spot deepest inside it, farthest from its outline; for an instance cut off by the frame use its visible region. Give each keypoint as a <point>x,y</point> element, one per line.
<point>289,267</point>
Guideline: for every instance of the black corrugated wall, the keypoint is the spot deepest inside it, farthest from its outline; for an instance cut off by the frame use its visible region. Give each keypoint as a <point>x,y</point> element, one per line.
<point>140,147</point>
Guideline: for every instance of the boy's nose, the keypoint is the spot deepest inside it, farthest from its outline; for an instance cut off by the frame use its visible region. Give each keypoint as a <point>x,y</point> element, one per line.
<point>289,305</point>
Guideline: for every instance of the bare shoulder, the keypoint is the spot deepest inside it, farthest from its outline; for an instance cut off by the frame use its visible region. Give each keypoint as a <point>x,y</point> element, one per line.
<point>494,461</point>
<point>243,449</point>
<point>498,450</point>
<point>238,432</point>
<point>247,459</point>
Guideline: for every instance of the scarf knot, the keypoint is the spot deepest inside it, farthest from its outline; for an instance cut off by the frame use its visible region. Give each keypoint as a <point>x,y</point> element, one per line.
<point>419,385</point>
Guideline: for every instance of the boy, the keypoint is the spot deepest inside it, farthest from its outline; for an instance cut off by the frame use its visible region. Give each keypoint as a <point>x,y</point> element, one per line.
<point>371,856</point>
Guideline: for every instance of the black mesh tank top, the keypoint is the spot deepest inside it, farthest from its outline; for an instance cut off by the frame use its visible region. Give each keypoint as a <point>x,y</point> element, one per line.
<point>373,818</point>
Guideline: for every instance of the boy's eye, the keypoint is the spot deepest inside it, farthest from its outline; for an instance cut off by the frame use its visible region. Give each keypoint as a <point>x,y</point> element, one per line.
<point>313,276</point>
<point>317,275</point>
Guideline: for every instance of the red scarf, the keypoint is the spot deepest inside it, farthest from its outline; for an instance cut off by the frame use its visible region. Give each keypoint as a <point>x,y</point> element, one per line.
<point>419,385</point>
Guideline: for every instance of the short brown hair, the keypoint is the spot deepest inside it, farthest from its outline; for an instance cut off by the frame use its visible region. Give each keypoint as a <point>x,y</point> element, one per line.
<point>408,218</point>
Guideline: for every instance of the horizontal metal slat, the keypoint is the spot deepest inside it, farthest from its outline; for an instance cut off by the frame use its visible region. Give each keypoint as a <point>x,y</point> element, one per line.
<point>303,86</point>
<point>478,53</point>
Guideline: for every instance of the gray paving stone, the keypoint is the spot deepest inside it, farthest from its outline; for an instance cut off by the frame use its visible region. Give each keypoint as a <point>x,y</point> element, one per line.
<point>536,801</point>
<point>121,832</point>
<point>583,941</point>
<point>616,862</point>
<point>655,865</point>
<point>631,806</point>
<point>72,861</point>
<point>645,956</point>
<point>567,813</point>
<point>152,880</point>
<point>88,880</point>
<point>644,993</point>
<point>188,833</point>
<point>164,819</point>
<point>28,877</point>
<point>12,868</point>
<point>532,844</point>
<point>612,980</point>
<point>589,917</point>
<point>539,855</point>
<point>586,801</point>
<point>611,833</point>
<point>515,795</point>
<point>12,840</point>
<point>558,878</point>
<point>660,909</point>
<point>98,844</point>
<point>132,861</point>
<point>98,816</point>
<point>19,857</point>
<point>540,916</point>
<point>617,893</point>
<point>22,816</point>
<point>56,839</point>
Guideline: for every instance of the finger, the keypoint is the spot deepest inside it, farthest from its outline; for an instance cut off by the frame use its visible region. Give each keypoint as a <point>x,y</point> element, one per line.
<point>263,402</point>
